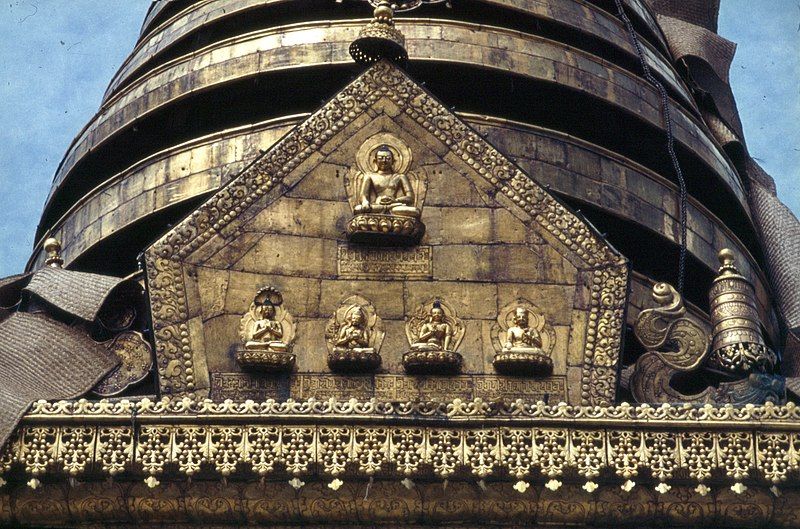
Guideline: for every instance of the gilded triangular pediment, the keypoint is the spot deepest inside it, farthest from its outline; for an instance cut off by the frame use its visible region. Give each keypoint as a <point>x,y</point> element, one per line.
<point>474,237</point>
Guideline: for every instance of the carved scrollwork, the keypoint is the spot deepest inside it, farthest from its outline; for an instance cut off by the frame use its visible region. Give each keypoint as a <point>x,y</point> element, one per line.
<point>674,344</point>
<point>180,372</point>
<point>677,345</point>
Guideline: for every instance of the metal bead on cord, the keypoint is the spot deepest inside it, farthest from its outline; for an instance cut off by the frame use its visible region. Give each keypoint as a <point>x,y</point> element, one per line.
<point>665,110</point>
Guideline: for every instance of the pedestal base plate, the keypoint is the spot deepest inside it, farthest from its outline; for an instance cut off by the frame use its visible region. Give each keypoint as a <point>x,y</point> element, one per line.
<point>265,361</point>
<point>385,230</point>
<point>526,364</point>
<point>432,362</point>
<point>350,361</point>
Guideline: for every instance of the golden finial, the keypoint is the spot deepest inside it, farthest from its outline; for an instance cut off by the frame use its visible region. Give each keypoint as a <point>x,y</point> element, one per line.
<point>727,262</point>
<point>380,39</point>
<point>53,248</point>
<point>738,345</point>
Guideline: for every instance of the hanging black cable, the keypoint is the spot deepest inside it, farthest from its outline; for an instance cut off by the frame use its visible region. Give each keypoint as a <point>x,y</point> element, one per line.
<point>665,110</point>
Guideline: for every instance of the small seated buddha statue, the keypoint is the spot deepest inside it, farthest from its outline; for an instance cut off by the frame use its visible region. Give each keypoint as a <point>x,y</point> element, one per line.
<point>435,334</point>
<point>521,338</point>
<point>384,191</point>
<point>266,332</point>
<point>384,197</point>
<point>520,350</point>
<point>353,334</point>
<point>433,338</point>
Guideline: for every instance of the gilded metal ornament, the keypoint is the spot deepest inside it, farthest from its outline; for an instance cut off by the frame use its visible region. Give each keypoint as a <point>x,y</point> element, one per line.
<point>136,362</point>
<point>409,5</point>
<point>738,345</point>
<point>354,336</point>
<point>674,345</point>
<point>52,247</point>
<point>385,196</point>
<point>523,341</point>
<point>267,331</point>
<point>380,39</point>
<point>434,332</point>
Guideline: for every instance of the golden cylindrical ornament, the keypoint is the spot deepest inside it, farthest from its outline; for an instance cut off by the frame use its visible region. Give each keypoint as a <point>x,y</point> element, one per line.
<point>738,345</point>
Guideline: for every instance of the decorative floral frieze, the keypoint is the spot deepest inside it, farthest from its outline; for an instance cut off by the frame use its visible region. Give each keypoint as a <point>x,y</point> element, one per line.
<point>526,441</point>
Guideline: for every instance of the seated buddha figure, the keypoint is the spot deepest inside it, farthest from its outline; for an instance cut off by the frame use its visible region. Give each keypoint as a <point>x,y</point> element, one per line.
<point>435,334</point>
<point>385,191</point>
<point>266,333</point>
<point>520,337</point>
<point>353,335</point>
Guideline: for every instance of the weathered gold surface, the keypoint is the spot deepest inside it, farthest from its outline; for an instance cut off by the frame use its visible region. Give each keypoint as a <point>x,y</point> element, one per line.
<point>387,388</point>
<point>387,503</point>
<point>136,362</point>
<point>530,440</point>
<point>380,39</point>
<point>566,164</point>
<point>586,18</point>
<point>327,44</point>
<point>677,345</point>
<point>243,236</point>
<point>355,262</point>
<point>674,344</point>
<point>569,166</point>
<point>434,332</point>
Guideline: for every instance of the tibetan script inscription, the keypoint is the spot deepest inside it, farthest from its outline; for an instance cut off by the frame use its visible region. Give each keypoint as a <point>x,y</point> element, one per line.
<point>384,263</point>
<point>322,387</point>
<point>242,386</point>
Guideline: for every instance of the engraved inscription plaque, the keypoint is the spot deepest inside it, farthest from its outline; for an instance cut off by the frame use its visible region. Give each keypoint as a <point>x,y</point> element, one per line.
<point>243,386</point>
<point>322,387</point>
<point>384,263</point>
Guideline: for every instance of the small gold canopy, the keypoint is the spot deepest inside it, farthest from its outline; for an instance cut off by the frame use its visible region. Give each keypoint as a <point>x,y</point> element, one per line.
<point>380,39</point>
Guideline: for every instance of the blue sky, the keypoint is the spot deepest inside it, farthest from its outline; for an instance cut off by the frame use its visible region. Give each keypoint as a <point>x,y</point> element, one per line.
<point>57,56</point>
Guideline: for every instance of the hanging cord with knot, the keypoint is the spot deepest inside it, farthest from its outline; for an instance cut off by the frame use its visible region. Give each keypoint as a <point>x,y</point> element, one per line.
<point>665,110</point>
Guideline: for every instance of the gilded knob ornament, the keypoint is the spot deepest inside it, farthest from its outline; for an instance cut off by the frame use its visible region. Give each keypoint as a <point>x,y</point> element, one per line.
<point>53,248</point>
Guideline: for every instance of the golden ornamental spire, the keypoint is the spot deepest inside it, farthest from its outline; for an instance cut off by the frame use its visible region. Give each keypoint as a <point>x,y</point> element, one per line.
<point>53,248</point>
<point>380,39</point>
<point>738,345</point>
